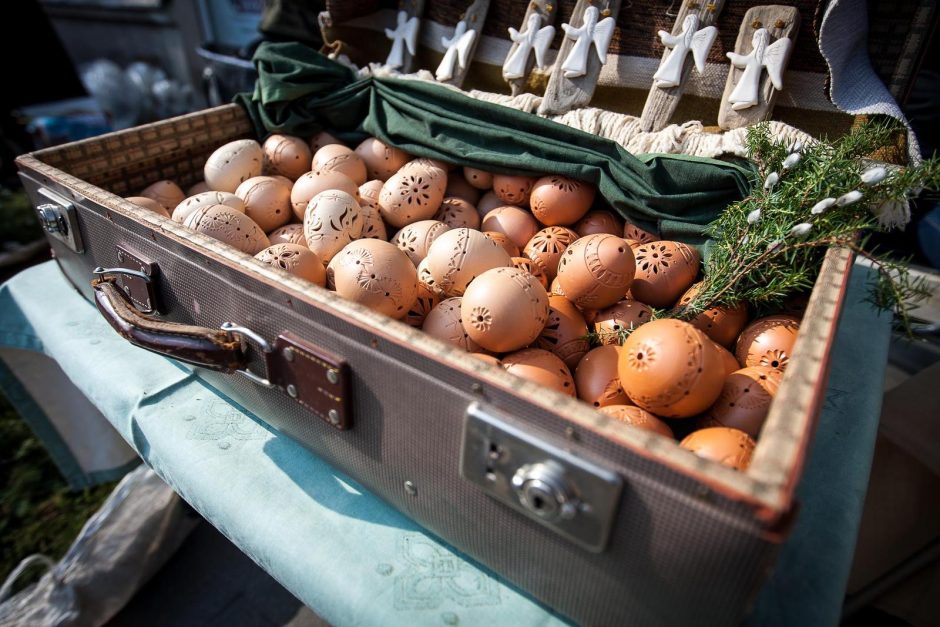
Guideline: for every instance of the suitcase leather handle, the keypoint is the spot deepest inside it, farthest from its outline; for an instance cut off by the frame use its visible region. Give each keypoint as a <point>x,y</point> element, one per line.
<point>210,348</point>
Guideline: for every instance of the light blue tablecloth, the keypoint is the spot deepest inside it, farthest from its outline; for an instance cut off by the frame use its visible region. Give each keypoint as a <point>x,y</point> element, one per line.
<point>345,553</point>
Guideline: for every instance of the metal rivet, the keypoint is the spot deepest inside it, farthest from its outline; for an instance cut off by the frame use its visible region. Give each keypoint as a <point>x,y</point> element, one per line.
<point>333,416</point>
<point>476,388</point>
<point>332,376</point>
<point>756,24</point>
<point>411,488</point>
<point>292,390</point>
<point>779,24</point>
<point>289,354</point>
<point>571,434</point>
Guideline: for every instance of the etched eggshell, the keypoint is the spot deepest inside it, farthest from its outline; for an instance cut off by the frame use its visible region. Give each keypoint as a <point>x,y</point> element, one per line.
<point>198,188</point>
<point>487,203</point>
<point>286,155</point>
<point>517,224</point>
<point>503,240</point>
<point>768,342</point>
<point>373,226</point>
<point>167,193</point>
<point>670,368</point>
<point>288,234</point>
<point>458,213</point>
<point>443,322</point>
<point>626,315</point>
<point>547,247</point>
<point>555,288</point>
<point>561,201</point>
<point>339,158</point>
<point>149,204</point>
<point>745,400</point>
<point>458,187</point>
<point>206,199</point>
<point>320,140</point>
<point>638,417</point>
<point>664,270</point>
<point>376,274</point>
<point>415,239</point>
<point>424,276</point>
<point>381,160</point>
<point>232,164</point>
<point>636,235</point>
<point>513,190</point>
<point>311,184</point>
<point>427,299</point>
<point>460,255</point>
<point>479,179</point>
<point>267,201</point>
<point>599,222</point>
<point>298,260</point>
<point>728,361</point>
<point>532,268</point>
<point>232,227</point>
<point>413,193</point>
<point>721,322</point>
<point>504,309</point>
<point>333,219</point>
<point>596,271</point>
<point>542,367</point>
<point>565,333</point>
<point>597,379</point>
<point>730,447</point>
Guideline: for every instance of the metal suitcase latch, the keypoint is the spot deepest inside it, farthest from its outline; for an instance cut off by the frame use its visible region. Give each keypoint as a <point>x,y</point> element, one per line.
<point>59,219</point>
<point>568,494</point>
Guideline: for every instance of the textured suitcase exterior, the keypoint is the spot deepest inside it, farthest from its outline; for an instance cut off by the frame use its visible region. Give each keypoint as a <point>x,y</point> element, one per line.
<point>690,541</point>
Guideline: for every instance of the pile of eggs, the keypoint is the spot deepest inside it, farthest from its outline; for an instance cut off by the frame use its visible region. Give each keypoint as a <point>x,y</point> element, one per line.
<point>519,271</point>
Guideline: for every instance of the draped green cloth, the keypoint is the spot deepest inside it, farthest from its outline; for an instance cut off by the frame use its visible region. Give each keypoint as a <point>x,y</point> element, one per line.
<point>301,92</point>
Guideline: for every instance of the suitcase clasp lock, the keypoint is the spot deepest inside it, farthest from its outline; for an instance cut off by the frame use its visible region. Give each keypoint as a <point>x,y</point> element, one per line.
<point>59,219</point>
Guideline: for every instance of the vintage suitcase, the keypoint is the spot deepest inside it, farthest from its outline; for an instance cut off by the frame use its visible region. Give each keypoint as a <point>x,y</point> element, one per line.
<point>618,526</point>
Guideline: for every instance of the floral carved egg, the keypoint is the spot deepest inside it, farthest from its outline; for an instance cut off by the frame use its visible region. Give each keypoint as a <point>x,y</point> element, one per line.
<point>768,342</point>
<point>599,222</point>
<point>333,219</point>
<point>458,213</point>
<point>378,275</point>
<point>745,400</point>
<point>381,160</point>
<point>547,246</point>
<point>232,164</point>
<point>638,417</point>
<point>286,155</point>
<point>373,227</point>
<point>542,367</point>
<point>298,260</point>
<point>232,227</point>
<point>415,239</point>
<point>596,271</point>
<point>626,315</point>
<point>460,255</point>
<point>670,368</point>
<point>560,201</point>
<point>426,300</point>
<point>478,178</point>
<point>532,268</point>
<point>513,190</point>
<point>424,276</point>
<point>207,199</point>
<point>637,236</point>
<point>267,201</point>
<point>721,322</point>
<point>288,234</point>
<point>311,184</point>
<point>167,193</point>
<point>664,270</point>
<point>413,193</point>
<point>443,322</point>
<point>597,379</point>
<point>339,158</point>
<point>565,333</point>
<point>515,223</point>
<point>504,309</point>
<point>729,447</point>
<point>504,242</point>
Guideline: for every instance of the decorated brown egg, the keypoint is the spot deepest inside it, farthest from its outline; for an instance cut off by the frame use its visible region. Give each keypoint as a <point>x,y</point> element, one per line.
<point>547,246</point>
<point>532,268</point>
<point>311,184</point>
<point>458,213</point>
<point>288,234</point>
<point>729,447</point>
<point>339,158</point>
<point>424,276</point>
<point>198,188</point>
<point>515,223</point>
<point>232,164</point>
<point>478,178</point>
<point>376,274</point>
<point>426,300</point>
<point>560,201</point>
<point>490,359</point>
<point>167,193</point>
<point>283,179</point>
<point>460,255</point>
<point>721,322</point>
<point>597,379</point>
<point>599,222</point>
<point>415,239</point>
<point>503,240</point>
<point>413,193</point>
<point>207,199</point>
<point>443,322</point>
<point>333,220</point>
<point>458,187</point>
<point>670,368</point>
<point>373,227</point>
<point>555,288</point>
<point>664,270</point>
<point>637,236</point>
<point>487,203</point>
<point>381,160</point>
<point>286,155</point>
<point>623,316</point>
<point>295,259</point>
<point>745,400</point>
<point>542,367</point>
<point>565,333</point>
<point>768,342</point>
<point>232,227</point>
<point>320,140</point>
<point>596,271</point>
<point>149,204</point>
<point>513,190</point>
<point>728,361</point>
<point>267,201</point>
<point>504,309</point>
<point>638,417</point>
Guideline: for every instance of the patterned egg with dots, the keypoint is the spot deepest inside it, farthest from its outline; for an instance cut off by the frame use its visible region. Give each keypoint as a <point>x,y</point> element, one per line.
<point>504,309</point>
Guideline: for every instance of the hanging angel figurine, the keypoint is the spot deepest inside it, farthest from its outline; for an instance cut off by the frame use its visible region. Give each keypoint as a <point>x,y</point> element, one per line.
<point>533,38</point>
<point>405,34</point>
<point>773,57</point>
<point>457,51</point>
<point>590,32</point>
<point>699,42</point>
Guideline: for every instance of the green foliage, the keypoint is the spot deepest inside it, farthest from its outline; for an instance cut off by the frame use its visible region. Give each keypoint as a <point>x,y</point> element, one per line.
<point>18,221</point>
